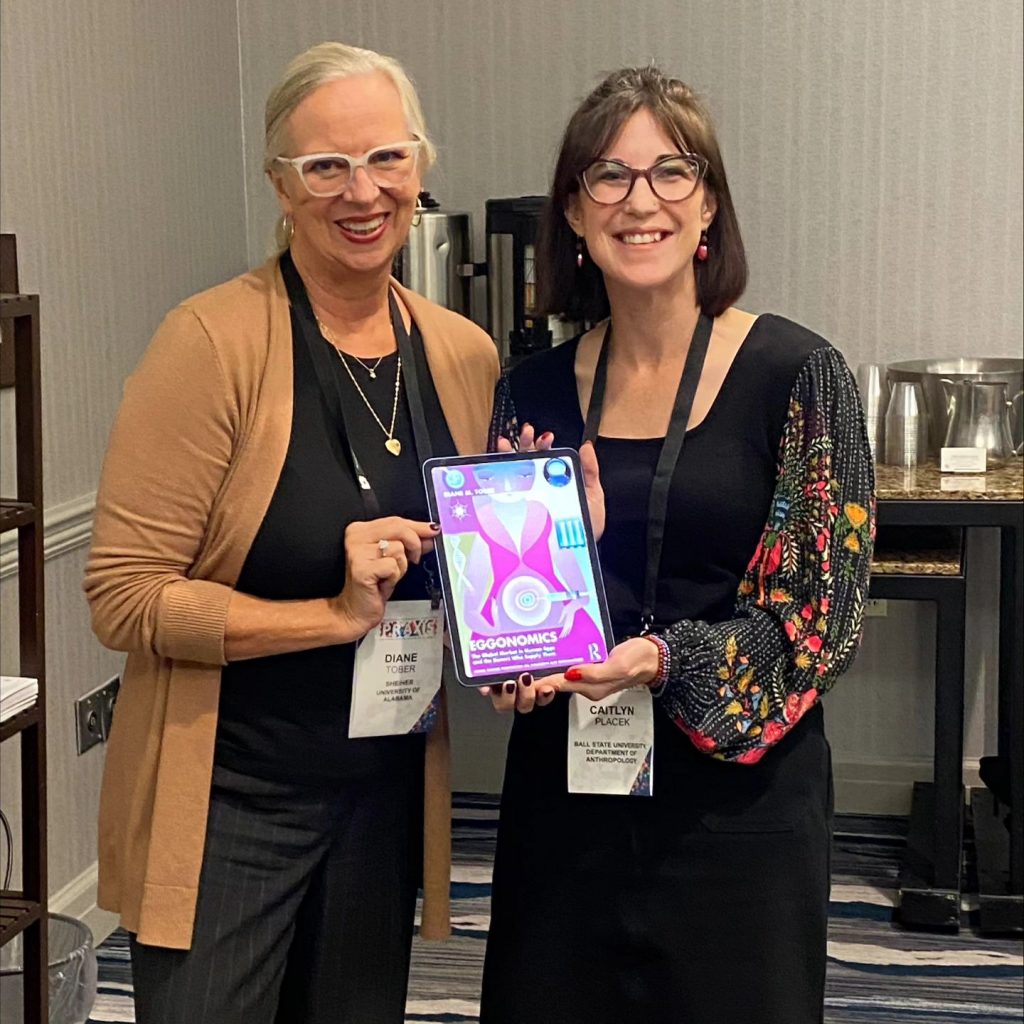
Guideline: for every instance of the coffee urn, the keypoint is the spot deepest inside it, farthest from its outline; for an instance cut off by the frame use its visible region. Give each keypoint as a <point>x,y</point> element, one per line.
<point>512,320</point>
<point>435,260</point>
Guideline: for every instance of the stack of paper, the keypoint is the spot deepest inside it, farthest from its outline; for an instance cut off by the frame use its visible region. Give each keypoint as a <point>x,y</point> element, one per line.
<point>17,694</point>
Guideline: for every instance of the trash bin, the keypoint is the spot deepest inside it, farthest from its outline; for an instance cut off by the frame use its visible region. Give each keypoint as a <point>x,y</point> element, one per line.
<point>72,974</point>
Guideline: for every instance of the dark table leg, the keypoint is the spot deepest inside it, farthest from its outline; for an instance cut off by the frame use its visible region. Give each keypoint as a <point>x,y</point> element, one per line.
<point>930,879</point>
<point>1011,689</point>
<point>949,737</point>
<point>998,828</point>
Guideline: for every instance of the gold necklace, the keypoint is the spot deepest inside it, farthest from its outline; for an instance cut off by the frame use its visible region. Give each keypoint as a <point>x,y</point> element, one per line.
<point>329,335</point>
<point>392,443</point>
<point>371,370</point>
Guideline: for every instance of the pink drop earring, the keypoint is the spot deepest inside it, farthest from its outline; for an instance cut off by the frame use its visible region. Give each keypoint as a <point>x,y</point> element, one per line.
<point>702,247</point>
<point>579,252</point>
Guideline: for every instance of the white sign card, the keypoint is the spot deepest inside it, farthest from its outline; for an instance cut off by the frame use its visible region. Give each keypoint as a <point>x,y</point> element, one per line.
<point>396,681</point>
<point>611,744</point>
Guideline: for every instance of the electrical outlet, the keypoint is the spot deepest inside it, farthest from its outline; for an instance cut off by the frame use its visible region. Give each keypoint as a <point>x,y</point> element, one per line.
<point>88,721</point>
<point>108,698</point>
<point>93,714</point>
<point>876,608</point>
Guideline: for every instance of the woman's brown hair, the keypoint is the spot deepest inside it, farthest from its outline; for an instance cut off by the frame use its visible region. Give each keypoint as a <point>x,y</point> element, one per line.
<point>579,293</point>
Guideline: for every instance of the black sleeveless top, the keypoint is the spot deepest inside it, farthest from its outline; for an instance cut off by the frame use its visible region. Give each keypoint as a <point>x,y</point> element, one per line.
<point>286,716</point>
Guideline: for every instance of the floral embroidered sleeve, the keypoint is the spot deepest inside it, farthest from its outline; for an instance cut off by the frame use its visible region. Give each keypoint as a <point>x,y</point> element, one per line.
<point>737,687</point>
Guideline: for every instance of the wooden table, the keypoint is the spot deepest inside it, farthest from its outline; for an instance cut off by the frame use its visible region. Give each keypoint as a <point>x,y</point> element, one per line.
<point>912,502</point>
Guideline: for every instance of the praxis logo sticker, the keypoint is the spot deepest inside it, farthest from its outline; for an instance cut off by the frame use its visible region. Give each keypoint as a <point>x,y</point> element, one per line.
<point>409,629</point>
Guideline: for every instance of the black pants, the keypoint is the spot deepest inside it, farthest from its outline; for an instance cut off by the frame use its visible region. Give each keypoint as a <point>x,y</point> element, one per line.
<point>305,910</point>
<point>704,904</point>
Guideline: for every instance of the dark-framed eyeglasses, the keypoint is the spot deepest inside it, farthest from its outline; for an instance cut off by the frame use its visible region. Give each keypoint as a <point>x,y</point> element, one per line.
<point>671,179</point>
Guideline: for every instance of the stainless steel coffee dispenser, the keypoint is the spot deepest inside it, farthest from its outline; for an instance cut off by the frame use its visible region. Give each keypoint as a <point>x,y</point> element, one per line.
<point>435,260</point>
<point>512,320</point>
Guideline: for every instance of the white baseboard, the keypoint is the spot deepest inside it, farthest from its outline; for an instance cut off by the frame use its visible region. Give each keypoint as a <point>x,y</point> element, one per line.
<point>78,899</point>
<point>885,787</point>
<point>65,527</point>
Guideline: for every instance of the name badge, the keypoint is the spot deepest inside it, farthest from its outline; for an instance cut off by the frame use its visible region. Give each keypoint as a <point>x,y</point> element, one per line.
<point>396,681</point>
<point>611,744</point>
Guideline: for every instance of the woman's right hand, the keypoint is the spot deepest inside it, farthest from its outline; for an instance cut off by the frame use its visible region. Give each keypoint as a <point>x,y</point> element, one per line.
<point>528,441</point>
<point>372,571</point>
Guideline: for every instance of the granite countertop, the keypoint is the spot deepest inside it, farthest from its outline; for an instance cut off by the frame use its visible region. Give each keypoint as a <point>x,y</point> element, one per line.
<point>1004,481</point>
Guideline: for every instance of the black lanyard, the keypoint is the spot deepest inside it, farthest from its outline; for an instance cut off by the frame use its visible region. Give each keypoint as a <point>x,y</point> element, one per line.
<point>671,449</point>
<point>326,375</point>
<point>328,379</point>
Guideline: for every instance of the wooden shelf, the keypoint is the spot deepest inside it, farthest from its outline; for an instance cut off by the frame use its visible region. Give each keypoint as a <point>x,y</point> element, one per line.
<point>918,551</point>
<point>16,513</point>
<point>16,914</point>
<point>25,913</point>
<point>12,306</point>
<point>20,722</point>
<point>924,562</point>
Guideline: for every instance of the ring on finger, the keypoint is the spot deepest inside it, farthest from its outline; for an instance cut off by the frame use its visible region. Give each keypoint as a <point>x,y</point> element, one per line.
<point>382,547</point>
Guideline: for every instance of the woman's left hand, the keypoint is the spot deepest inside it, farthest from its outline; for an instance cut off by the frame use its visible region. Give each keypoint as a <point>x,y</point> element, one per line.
<point>633,663</point>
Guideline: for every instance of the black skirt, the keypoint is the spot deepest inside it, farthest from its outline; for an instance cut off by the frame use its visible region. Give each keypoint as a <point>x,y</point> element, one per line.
<point>706,903</point>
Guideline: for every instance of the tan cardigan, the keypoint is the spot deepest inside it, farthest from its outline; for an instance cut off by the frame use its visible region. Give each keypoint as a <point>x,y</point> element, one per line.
<point>193,462</point>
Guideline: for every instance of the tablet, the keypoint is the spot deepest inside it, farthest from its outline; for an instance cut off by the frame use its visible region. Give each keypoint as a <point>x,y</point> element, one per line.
<point>519,570</point>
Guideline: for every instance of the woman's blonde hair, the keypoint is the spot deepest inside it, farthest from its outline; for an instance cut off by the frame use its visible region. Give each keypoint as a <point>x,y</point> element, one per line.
<point>324,63</point>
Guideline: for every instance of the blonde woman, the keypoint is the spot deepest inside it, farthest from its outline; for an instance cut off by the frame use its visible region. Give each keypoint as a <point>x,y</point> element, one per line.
<point>261,502</point>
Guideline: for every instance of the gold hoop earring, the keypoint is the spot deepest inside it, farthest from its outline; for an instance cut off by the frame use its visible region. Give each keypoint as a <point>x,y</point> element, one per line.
<point>287,228</point>
<point>417,214</point>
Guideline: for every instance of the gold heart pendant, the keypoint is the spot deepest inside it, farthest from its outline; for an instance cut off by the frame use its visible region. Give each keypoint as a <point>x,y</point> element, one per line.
<point>393,445</point>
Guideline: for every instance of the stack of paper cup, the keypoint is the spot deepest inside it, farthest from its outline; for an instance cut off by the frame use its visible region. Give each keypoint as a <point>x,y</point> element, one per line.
<point>873,384</point>
<point>906,425</point>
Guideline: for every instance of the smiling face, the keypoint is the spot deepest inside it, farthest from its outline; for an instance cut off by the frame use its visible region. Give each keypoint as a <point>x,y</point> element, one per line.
<point>642,242</point>
<point>360,230</point>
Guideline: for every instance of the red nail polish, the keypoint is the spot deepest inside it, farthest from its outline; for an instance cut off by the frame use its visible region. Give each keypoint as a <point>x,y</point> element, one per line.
<point>573,675</point>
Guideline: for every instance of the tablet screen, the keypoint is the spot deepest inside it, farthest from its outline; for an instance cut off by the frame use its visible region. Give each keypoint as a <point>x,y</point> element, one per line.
<point>520,575</point>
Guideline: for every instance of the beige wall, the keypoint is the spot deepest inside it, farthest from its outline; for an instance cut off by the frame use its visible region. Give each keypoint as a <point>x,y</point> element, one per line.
<point>875,155</point>
<point>121,170</point>
<point>874,147</point>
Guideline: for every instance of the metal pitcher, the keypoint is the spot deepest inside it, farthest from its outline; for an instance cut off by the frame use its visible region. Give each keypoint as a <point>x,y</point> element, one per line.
<point>930,372</point>
<point>978,416</point>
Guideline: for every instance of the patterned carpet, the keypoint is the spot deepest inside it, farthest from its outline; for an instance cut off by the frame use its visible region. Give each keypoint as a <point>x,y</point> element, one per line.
<point>877,972</point>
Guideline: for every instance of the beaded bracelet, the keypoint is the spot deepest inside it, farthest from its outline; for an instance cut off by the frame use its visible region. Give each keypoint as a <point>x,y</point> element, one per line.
<point>658,683</point>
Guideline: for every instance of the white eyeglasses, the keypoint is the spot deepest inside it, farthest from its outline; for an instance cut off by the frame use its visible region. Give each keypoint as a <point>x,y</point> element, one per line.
<point>329,174</point>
